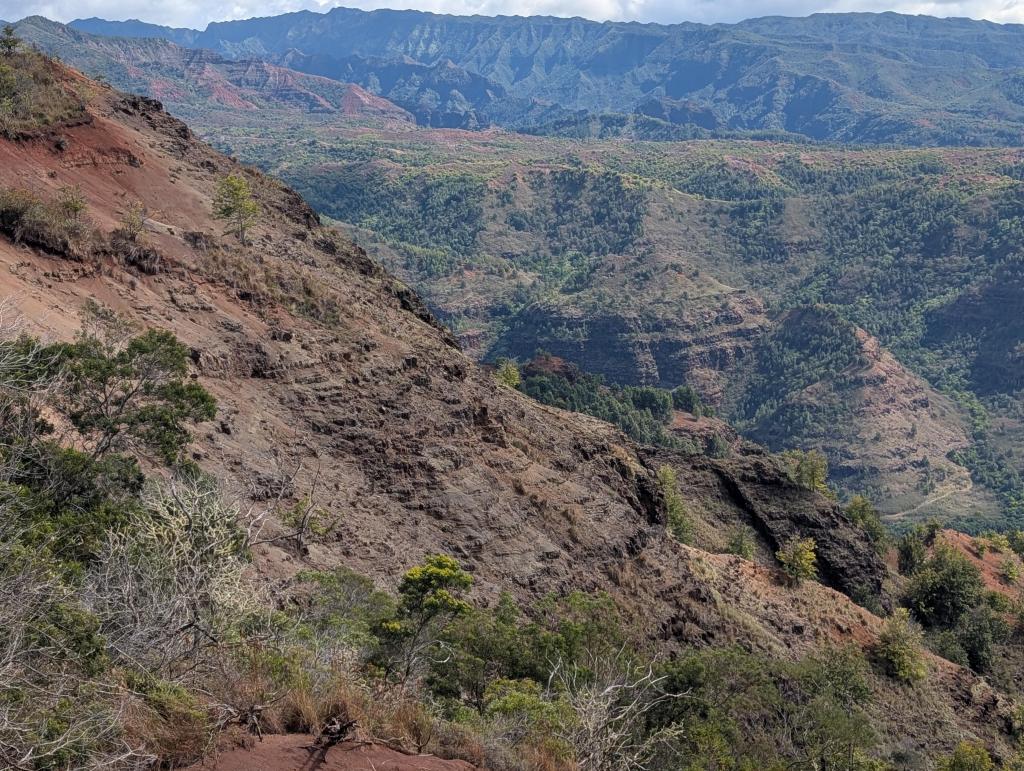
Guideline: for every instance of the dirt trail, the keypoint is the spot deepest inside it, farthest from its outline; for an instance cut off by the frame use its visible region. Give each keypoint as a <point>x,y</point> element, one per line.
<point>291,752</point>
<point>955,487</point>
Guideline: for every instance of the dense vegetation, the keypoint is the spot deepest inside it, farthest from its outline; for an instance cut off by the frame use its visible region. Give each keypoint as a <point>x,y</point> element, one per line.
<point>801,352</point>
<point>641,412</point>
<point>439,217</point>
<point>946,593</point>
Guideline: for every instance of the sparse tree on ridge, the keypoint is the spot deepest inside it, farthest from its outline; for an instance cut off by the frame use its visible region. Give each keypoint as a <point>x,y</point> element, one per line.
<point>9,41</point>
<point>233,202</point>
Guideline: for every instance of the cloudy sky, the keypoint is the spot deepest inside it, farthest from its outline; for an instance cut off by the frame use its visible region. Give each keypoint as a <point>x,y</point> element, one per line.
<point>197,13</point>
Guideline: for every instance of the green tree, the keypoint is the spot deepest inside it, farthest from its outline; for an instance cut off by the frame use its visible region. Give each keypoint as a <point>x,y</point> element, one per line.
<point>865,516</point>
<point>899,648</point>
<point>430,598</point>
<point>1009,569</point>
<point>968,756</point>
<point>809,469</point>
<point>946,587</point>
<point>741,542</point>
<point>129,394</point>
<point>508,373</point>
<point>977,632</point>
<point>687,399</point>
<point>679,523</point>
<point>9,41</point>
<point>799,560</point>
<point>912,551</point>
<point>717,447</point>
<point>233,202</point>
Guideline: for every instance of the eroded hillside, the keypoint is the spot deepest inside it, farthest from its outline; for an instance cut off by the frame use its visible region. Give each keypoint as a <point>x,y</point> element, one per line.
<point>335,386</point>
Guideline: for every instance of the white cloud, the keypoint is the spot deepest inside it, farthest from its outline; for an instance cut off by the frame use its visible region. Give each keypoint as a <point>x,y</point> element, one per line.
<point>196,13</point>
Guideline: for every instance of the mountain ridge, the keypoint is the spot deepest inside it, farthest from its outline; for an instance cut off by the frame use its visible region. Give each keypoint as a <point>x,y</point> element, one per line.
<point>872,78</point>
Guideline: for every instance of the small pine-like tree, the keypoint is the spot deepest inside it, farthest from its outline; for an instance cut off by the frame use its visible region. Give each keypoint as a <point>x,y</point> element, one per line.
<point>899,648</point>
<point>9,41</point>
<point>799,560</point>
<point>679,524</point>
<point>809,470</point>
<point>233,202</point>
<point>741,542</point>
<point>508,374</point>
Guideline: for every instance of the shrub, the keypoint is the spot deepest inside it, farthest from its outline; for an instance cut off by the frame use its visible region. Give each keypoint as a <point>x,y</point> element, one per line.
<point>129,393</point>
<point>33,95</point>
<point>741,542</point>
<point>1016,541</point>
<point>944,588</point>
<point>685,398</point>
<point>175,573</point>
<point>798,559</point>
<point>133,220</point>
<point>899,648</point>
<point>912,551</point>
<point>977,632</point>
<point>1009,569</point>
<point>507,374</point>
<point>865,516</point>
<point>738,710</point>
<point>133,253</point>
<point>58,225</point>
<point>679,523</point>
<point>717,447</point>
<point>968,756</point>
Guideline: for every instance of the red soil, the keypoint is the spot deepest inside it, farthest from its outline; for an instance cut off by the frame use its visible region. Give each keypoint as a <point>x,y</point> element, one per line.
<point>291,752</point>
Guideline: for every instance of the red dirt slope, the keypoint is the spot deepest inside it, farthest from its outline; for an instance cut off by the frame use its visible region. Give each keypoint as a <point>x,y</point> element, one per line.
<point>290,752</point>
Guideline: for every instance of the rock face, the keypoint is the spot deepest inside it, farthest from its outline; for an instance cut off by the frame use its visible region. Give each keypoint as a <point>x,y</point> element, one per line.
<point>753,489</point>
<point>697,346</point>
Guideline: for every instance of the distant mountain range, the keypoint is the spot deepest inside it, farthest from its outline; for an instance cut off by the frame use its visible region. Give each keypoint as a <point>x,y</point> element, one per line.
<point>199,82</point>
<point>865,78</point>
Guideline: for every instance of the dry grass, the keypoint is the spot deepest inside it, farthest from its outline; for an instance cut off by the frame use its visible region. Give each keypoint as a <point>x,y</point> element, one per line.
<point>33,96</point>
<point>59,226</point>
